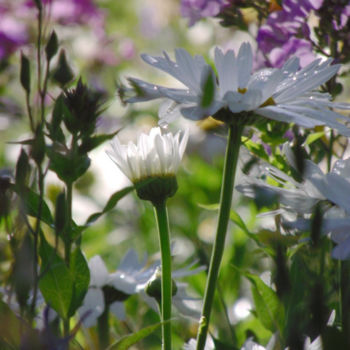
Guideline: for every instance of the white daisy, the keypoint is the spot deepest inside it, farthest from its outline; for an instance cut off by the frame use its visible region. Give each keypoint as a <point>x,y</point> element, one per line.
<point>154,155</point>
<point>185,304</point>
<point>286,94</point>
<point>122,283</point>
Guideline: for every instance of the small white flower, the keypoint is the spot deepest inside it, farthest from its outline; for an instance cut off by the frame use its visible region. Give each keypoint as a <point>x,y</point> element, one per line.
<point>154,155</point>
<point>185,304</point>
<point>125,280</point>
<point>286,94</point>
<point>302,197</point>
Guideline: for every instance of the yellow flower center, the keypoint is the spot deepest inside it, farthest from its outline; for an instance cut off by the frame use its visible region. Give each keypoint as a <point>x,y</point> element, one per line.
<point>269,102</point>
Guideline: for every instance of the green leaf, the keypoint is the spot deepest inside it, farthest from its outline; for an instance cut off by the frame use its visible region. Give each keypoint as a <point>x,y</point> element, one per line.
<point>11,327</point>
<point>92,142</point>
<point>127,341</point>
<point>208,90</point>
<point>31,202</point>
<point>22,169</point>
<point>63,73</point>
<point>51,46</point>
<point>55,283</point>
<point>25,73</point>
<point>113,200</point>
<point>80,274</point>
<point>234,216</point>
<point>68,169</point>
<point>211,207</point>
<point>313,137</point>
<point>268,307</point>
<point>60,215</point>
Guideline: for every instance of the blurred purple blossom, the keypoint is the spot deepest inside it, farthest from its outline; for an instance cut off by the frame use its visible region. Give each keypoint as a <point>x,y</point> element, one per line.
<point>194,10</point>
<point>278,37</point>
<point>13,34</point>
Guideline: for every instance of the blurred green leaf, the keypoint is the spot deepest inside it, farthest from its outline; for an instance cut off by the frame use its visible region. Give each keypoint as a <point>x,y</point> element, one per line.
<point>22,169</point>
<point>314,137</point>
<point>90,143</point>
<point>60,214</point>
<point>113,200</point>
<point>25,73</point>
<point>80,275</point>
<point>68,169</point>
<point>31,202</point>
<point>131,339</point>
<point>23,271</point>
<point>51,46</point>
<point>211,207</point>
<point>63,73</point>
<point>208,90</point>
<point>268,307</point>
<point>10,326</point>
<point>56,283</point>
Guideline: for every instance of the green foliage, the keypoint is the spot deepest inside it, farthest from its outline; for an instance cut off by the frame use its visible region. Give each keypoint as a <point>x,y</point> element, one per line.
<point>268,307</point>
<point>56,283</point>
<point>127,341</point>
<point>63,287</point>
<point>25,73</point>
<point>51,46</point>
<point>80,275</point>
<point>63,73</point>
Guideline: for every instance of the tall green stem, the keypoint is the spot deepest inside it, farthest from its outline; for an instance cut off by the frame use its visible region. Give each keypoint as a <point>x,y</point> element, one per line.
<point>164,241</point>
<point>103,329</point>
<point>231,158</point>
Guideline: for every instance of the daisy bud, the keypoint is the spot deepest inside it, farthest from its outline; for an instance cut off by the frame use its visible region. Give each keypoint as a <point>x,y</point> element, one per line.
<point>152,163</point>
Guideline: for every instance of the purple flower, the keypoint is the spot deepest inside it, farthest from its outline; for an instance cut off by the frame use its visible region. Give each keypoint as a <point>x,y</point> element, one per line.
<point>293,47</point>
<point>197,9</point>
<point>68,12</point>
<point>13,34</point>
<point>277,38</point>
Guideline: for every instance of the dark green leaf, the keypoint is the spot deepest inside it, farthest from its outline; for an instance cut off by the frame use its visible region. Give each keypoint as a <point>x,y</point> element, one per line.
<point>92,142</point>
<point>63,73</point>
<point>11,327</point>
<point>68,169</point>
<point>208,90</point>
<point>25,73</point>
<point>269,309</point>
<point>31,202</point>
<point>127,341</point>
<point>37,150</point>
<point>60,215</point>
<point>80,274</point>
<point>22,169</point>
<point>51,46</point>
<point>56,283</point>
<point>23,271</point>
<point>113,200</point>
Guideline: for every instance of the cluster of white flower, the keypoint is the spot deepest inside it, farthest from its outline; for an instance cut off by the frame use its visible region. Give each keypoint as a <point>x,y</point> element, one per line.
<point>131,277</point>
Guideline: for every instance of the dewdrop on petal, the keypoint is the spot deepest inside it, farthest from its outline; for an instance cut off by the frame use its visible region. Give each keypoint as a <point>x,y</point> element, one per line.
<point>152,163</point>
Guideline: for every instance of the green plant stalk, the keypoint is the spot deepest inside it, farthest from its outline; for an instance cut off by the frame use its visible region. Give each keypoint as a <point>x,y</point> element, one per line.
<point>231,158</point>
<point>68,242</point>
<point>103,329</point>
<point>164,241</point>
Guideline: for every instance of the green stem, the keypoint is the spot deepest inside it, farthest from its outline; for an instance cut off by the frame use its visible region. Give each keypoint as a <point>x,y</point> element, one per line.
<point>345,300</point>
<point>164,241</point>
<point>68,231</point>
<point>231,158</point>
<point>103,329</point>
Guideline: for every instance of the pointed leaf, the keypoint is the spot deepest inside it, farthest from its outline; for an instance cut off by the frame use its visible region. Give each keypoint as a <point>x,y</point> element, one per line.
<point>80,274</point>
<point>113,200</point>
<point>55,283</point>
<point>268,307</point>
<point>126,342</point>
